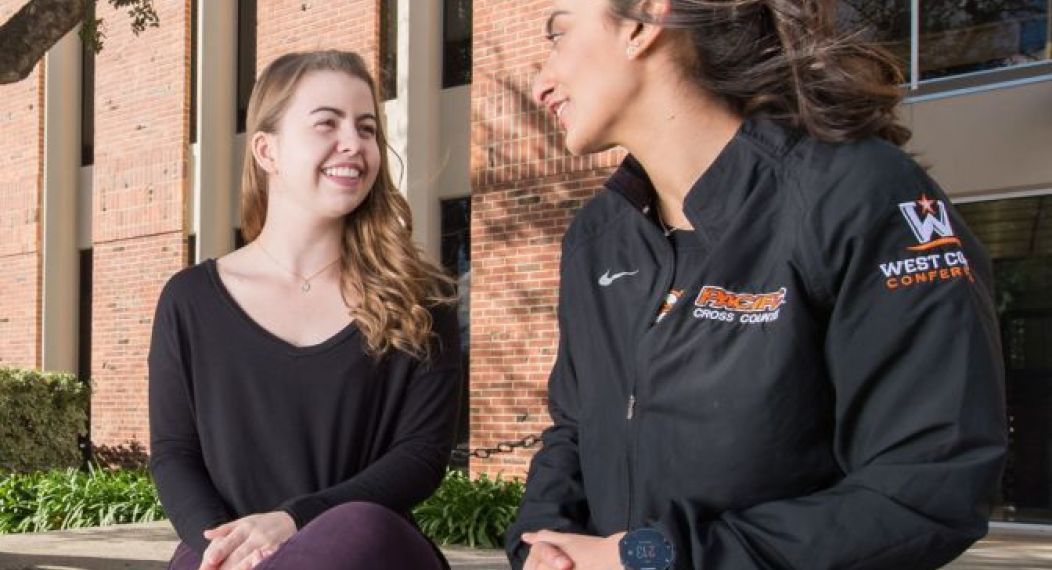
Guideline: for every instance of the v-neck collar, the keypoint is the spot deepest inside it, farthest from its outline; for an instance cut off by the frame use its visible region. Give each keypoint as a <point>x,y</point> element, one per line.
<point>262,332</point>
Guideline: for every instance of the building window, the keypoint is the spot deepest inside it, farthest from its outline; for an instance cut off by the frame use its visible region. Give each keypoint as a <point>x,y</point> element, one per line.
<point>193,71</point>
<point>1017,233</point>
<point>388,49</point>
<point>456,43</point>
<point>84,338</point>
<point>962,37</point>
<point>84,317</point>
<point>87,95</point>
<point>456,259</point>
<point>952,39</point>
<point>246,58</point>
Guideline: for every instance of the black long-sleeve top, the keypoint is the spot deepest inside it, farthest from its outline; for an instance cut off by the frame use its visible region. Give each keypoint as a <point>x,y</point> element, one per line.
<point>243,422</point>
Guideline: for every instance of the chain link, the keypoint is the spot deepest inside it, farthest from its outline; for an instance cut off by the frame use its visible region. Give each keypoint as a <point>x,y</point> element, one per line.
<point>502,447</point>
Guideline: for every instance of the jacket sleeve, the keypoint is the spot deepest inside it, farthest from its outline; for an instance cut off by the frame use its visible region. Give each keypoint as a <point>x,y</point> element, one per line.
<point>555,497</point>
<point>187,493</point>
<point>413,466</point>
<point>916,367</point>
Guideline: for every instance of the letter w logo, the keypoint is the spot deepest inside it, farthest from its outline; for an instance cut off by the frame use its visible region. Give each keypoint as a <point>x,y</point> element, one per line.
<point>931,224</point>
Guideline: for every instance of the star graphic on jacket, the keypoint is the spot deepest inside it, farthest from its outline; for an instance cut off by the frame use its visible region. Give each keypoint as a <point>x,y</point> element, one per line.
<point>927,205</point>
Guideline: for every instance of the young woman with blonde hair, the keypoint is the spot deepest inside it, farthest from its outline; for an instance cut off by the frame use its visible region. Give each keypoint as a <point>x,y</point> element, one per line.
<point>304,388</point>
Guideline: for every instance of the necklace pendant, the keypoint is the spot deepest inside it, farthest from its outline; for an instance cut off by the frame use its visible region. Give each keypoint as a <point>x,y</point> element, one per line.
<point>305,287</point>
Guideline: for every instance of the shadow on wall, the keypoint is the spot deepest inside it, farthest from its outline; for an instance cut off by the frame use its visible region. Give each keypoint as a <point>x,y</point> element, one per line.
<point>526,190</point>
<point>124,456</point>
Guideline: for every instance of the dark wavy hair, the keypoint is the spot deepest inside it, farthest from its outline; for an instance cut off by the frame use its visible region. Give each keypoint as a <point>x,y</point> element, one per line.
<point>785,59</point>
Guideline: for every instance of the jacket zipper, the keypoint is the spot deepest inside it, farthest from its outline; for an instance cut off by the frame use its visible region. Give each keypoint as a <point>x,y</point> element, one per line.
<point>666,272</point>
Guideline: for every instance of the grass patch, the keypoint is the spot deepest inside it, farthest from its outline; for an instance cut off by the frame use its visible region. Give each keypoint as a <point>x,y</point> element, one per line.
<point>71,498</point>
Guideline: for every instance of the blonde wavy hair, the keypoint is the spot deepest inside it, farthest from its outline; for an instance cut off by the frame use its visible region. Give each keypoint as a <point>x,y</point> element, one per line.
<point>380,264</point>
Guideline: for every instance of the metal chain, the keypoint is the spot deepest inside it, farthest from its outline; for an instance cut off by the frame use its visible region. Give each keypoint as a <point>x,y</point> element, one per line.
<point>502,447</point>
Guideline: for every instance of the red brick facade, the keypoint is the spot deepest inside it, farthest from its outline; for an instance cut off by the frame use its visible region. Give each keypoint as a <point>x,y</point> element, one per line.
<point>140,189</point>
<point>525,190</point>
<point>21,195</point>
<point>284,26</point>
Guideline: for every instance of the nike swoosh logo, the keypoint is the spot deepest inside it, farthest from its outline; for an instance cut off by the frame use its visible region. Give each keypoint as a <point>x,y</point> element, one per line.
<point>606,279</point>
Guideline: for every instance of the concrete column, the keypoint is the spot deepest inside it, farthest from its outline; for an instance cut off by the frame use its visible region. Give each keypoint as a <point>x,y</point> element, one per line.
<point>214,181</point>
<point>61,278</point>
<point>416,113</point>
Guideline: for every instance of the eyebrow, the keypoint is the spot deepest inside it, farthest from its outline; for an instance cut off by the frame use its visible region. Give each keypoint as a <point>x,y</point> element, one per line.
<point>341,114</point>
<point>551,21</point>
<point>332,110</point>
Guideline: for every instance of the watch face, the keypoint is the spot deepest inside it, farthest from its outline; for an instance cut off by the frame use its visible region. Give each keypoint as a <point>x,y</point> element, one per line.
<point>645,549</point>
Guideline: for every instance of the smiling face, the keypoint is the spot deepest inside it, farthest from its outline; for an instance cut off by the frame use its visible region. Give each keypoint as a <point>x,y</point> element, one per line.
<point>587,81</point>
<point>323,156</point>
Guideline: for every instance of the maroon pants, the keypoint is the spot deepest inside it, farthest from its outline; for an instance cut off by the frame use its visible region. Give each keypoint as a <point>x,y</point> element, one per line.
<point>349,536</point>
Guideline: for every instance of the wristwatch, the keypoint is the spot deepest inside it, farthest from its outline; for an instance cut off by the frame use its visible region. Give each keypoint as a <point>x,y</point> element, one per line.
<point>646,549</point>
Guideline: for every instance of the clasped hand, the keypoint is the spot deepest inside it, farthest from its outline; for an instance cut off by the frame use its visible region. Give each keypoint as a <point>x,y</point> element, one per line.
<point>551,550</point>
<point>245,542</point>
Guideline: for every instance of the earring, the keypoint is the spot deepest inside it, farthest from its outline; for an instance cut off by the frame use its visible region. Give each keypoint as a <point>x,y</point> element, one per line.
<point>631,50</point>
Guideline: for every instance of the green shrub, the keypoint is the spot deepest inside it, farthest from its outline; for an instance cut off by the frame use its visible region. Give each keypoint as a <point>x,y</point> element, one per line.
<point>61,499</point>
<point>474,513</point>
<point>41,415</point>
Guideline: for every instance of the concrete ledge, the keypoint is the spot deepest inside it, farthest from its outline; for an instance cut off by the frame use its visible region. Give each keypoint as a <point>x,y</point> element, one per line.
<point>149,546</point>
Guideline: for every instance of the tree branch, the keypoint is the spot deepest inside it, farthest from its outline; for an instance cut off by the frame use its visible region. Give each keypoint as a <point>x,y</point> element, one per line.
<point>27,35</point>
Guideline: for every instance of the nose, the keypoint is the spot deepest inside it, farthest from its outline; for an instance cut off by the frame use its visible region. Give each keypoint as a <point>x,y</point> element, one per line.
<point>350,141</point>
<point>543,86</point>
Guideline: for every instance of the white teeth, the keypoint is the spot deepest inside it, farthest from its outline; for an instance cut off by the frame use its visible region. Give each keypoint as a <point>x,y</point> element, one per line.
<point>559,109</point>
<point>343,171</point>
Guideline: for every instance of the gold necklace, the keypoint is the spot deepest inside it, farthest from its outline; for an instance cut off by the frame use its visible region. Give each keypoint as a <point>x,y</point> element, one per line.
<point>306,280</point>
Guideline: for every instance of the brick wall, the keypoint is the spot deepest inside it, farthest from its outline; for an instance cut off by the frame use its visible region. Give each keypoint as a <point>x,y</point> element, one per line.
<point>140,192</point>
<point>21,187</point>
<point>284,26</point>
<point>526,189</point>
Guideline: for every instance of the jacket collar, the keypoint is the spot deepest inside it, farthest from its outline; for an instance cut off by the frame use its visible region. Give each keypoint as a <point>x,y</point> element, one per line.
<point>717,196</point>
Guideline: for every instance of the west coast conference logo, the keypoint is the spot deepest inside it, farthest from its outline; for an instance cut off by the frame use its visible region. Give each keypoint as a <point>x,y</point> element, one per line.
<point>930,223</point>
<point>718,304</point>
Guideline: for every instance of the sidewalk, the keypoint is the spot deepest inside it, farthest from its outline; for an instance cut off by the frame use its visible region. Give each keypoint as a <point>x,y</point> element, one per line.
<point>148,547</point>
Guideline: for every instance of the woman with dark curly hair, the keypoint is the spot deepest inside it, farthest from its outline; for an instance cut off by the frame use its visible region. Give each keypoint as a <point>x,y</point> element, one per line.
<point>304,388</point>
<point>778,347</point>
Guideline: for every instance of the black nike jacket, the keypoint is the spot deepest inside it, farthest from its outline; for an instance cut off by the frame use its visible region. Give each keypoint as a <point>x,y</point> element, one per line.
<point>827,392</point>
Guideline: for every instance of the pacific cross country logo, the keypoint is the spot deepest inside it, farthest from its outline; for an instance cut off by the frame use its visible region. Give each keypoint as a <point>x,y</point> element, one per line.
<point>932,220</point>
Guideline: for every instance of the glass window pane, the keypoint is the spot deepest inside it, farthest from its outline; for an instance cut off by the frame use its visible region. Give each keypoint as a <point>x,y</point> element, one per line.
<point>193,71</point>
<point>456,43</point>
<point>246,58</point>
<point>963,37</point>
<point>388,49</point>
<point>456,259</point>
<point>1017,233</point>
<point>87,101</point>
<point>886,22</point>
